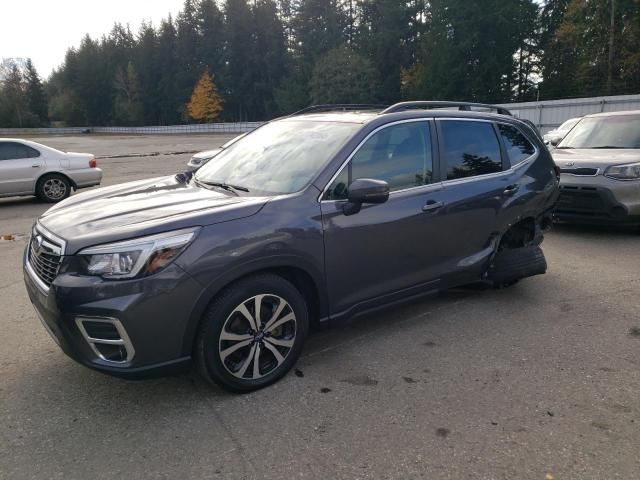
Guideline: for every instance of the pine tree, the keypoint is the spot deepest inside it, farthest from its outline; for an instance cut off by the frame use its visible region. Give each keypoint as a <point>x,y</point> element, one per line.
<point>128,104</point>
<point>383,33</point>
<point>240,72</point>
<point>343,76</point>
<point>269,60</point>
<point>206,104</point>
<point>36,96</point>
<point>169,103</point>
<point>13,93</point>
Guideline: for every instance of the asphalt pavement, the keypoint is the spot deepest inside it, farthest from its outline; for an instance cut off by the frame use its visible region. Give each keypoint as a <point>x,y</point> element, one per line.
<point>539,380</point>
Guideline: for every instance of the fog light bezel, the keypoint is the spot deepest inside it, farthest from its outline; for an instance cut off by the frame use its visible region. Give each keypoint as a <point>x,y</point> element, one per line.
<point>124,341</point>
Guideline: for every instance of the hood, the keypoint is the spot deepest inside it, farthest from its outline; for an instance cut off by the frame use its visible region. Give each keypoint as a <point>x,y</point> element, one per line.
<point>594,157</point>
<point>141,208</point>
<point>207,153</point>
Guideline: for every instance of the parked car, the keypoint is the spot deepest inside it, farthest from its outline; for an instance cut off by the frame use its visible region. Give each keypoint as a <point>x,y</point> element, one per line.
<point>308,218</point>
<point>554,137</point>
<point>599,162</point>
<point>201,158</point>
<point>29,168</point>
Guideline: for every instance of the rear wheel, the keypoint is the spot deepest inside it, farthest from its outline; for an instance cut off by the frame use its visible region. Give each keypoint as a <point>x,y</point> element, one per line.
<point>252,334</point>
<point>53,188</point>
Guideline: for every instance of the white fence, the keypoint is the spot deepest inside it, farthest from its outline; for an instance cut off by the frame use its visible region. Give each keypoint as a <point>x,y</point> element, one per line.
<point>241,127</point>
<point>546,115</point>
<point>550,114</point>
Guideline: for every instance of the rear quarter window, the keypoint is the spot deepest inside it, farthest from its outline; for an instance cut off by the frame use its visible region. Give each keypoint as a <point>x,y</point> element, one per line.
<point>516,144</point>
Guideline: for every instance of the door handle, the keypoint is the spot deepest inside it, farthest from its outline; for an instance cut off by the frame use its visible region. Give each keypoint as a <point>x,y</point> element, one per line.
<point>36,165</point>
<point>511,189</point>
<point>432,206</point>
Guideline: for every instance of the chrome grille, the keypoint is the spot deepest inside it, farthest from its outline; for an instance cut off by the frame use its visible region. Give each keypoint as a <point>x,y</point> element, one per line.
<point>44,257</point>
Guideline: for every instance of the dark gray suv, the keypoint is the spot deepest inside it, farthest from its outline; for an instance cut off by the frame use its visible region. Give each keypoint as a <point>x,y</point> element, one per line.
<point>310,218</point>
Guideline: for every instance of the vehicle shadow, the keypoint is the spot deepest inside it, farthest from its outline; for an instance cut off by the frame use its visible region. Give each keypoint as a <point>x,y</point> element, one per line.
<point>63,377</point>
<point>20,201</point>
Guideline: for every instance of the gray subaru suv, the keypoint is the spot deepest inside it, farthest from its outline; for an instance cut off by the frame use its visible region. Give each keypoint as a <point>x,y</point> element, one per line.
<point>314,217</point>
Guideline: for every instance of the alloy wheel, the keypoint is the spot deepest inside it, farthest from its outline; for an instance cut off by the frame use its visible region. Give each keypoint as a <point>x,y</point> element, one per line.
<point>257,336</point>
<point>54,189</point>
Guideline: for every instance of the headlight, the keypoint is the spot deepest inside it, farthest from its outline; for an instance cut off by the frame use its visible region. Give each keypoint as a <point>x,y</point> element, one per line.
<point>630,171</point>
<point>142,256</point>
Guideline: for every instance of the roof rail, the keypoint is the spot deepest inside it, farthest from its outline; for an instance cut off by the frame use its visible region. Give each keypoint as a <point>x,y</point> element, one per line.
<point>465,106</point>
<point>338,107</point>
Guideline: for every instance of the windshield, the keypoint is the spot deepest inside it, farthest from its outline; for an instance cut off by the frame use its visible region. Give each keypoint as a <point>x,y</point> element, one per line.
<point>620,131</point>
<point>280,157</point>
<point>568,125</point>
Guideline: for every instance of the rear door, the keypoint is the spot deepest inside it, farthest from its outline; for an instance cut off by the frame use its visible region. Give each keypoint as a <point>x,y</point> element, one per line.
<point>477,185</point>
<point>20,166</point>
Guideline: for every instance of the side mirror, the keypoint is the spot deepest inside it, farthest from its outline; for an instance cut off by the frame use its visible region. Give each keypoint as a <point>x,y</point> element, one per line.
<point>365,190</point>
<point>554,141</point>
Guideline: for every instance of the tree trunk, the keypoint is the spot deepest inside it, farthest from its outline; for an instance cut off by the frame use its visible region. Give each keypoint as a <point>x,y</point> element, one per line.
<point>611,43</point>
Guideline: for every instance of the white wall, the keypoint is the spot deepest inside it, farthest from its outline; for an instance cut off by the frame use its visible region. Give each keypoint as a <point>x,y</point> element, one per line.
<point>549,114</point>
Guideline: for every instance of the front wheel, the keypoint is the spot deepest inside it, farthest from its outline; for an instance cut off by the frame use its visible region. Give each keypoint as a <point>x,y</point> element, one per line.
<point>253,333</point>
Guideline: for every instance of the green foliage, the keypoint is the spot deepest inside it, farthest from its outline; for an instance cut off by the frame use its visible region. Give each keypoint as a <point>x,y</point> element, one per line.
<point>468,50</point>
<point>128,103</point>
<point>343,76</point>
<point>576,57</point>
<point>23,101</point>
<point>36,97</point>
<point>272,57</point>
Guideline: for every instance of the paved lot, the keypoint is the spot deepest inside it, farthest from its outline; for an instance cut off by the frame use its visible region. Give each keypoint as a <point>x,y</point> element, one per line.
<point>541,378</point>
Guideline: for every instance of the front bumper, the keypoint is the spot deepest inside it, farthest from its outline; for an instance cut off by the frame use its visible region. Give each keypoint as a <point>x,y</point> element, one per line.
<point>598,200</point>
<point>153,312</point>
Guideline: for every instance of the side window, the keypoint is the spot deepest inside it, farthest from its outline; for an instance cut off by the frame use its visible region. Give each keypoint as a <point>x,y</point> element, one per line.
<point>517,146</point>
<point>469,148</point>
<point>6,151</point>
<point>31,152</point>
<point>400,155</point>
<point>16,151</point>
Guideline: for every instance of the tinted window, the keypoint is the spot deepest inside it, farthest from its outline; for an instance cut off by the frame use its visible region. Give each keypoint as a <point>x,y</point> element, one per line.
<point>400,155</point>
<point>517,146</point>
<point>469,149</point>
<point>14,151</point>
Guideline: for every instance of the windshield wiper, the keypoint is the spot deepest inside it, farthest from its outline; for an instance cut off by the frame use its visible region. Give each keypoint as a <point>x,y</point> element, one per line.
<point>608,146</point>
<point>225,186</point>
<point>564,148</point>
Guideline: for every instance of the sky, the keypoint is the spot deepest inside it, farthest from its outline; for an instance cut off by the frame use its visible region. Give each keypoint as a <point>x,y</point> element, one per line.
<point>44,29</point>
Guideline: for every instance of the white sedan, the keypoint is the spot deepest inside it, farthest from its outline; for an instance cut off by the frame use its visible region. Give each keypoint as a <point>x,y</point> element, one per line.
<point>29,168</point>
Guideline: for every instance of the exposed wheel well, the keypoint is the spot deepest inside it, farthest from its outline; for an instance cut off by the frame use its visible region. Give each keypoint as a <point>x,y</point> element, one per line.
<point>519,235</point>
<point>73,184</point>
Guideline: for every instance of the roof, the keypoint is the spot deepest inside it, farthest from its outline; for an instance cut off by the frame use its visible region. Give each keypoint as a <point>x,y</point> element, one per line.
<point>614,114</point>
<point>344,117</point>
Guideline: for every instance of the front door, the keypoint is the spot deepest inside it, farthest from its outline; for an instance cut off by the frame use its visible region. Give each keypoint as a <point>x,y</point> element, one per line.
<point>391,247</point>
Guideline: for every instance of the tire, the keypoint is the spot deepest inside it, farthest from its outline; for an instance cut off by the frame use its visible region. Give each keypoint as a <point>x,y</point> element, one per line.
<point>53,188</point>
<point>509,266</point>
<point>228,340</point>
